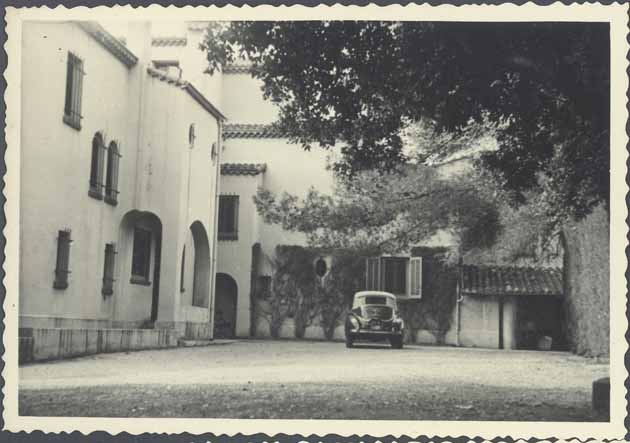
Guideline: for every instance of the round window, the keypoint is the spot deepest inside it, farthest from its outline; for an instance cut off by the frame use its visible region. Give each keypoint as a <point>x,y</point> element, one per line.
<point>321,268</point>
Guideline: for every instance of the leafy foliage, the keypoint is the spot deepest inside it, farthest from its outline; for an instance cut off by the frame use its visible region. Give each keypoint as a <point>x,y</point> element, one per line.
<point>545,86</point>
<point>376,213</point>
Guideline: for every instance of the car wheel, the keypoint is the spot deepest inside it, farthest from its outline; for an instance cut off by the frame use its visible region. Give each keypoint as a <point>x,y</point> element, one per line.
<point>396,342</point>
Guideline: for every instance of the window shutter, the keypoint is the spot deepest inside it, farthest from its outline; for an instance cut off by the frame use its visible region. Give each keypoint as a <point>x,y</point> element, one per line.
<point>108,269</point>
<point>372,273</point>
<point>415,277</point>
<point>63,260</point>
<point>111,180</point>
<point>67,109</point>
<point>182,276</point>
<point>79,83</point>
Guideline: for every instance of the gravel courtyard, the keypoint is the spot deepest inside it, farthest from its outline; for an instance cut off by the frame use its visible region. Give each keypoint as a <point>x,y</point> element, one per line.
<point>291,379</point>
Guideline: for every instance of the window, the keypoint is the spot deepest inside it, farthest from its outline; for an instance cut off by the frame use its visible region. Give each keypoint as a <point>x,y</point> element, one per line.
<point>108,269</point>
<point>74,87</point>
<point>228,217</point>
<point>398,275</point>
<point>394,275</point>
<point>191,135</point>
<point>141,258</point>
<point>182,288</point>
<point>111,179</point>
<point>96,167</point>
<point>63,260</point>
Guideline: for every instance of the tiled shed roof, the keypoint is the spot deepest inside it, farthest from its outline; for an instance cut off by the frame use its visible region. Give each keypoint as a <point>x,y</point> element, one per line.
<point>243,168</point>
<point>169,41</point>
<point>189,88</point>
<point>111,43</point>
<point>496,280</point>
<point>240,130</point>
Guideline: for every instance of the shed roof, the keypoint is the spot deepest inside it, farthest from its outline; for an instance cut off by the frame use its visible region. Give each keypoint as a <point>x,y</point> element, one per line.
<point>243,168</point>
<point>188,87</point>
<point>248,130</point>
<point>503,280</point>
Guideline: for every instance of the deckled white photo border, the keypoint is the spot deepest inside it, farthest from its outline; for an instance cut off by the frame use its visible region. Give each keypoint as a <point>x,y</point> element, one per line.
<point>616,15</point>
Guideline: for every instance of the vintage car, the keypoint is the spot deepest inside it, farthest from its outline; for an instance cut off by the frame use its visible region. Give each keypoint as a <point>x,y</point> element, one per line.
<point>374,317</point>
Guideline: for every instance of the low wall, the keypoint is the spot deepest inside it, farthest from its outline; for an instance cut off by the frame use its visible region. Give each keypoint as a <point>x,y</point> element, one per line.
<point>37,344</point>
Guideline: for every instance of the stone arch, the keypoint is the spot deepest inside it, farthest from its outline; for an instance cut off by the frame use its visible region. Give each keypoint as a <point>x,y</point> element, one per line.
<point>225,303</point>
<point>132,277</point>
<point>201,266</point>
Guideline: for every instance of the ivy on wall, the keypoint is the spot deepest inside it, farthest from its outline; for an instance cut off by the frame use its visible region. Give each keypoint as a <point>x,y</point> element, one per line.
<point>297,291</point>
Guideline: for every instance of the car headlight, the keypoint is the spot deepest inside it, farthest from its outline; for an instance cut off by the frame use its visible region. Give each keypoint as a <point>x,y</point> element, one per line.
<point>354,322</point>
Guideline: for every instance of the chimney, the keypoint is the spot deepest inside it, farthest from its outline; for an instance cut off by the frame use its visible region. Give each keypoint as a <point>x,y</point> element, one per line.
<point>139,41</point>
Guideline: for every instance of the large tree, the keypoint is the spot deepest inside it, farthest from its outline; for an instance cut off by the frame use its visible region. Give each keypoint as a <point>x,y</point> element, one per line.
<point>360,84</point>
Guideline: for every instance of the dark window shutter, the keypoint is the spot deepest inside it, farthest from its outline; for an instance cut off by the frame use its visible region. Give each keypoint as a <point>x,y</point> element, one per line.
<point>372,273</point>
<point>96,167</point>
<point>74,90</point>
<point>111,179</point>
<point>63,260</point>
<point>108,269</point>
<point>67,109</point>
<point>182,276</point>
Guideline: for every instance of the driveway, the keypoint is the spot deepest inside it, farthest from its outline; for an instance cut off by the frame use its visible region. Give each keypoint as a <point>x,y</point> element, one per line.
<point>298,379</point>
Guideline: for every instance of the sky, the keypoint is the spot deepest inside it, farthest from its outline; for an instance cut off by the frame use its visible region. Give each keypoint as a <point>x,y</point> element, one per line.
<point>158,28</point>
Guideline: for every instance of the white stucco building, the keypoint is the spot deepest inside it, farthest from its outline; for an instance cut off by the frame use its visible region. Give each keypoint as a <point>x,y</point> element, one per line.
<point>118,205</point>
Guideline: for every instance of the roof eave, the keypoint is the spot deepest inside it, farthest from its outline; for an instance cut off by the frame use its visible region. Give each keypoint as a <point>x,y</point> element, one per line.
<point>111,43</point>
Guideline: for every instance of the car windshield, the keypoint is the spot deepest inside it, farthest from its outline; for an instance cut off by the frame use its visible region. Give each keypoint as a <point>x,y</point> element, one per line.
<point>375,300</point>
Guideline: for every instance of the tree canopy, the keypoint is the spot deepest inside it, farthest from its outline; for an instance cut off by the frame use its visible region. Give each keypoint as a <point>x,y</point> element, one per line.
<point>360,84</point>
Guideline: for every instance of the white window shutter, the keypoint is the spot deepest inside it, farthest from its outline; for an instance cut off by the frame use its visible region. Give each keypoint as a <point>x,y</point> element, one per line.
<point>372,273</point>
<point>415,277</point>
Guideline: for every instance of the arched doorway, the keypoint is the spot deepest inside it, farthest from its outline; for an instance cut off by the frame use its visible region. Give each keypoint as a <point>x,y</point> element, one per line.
<point>201,266</point>
<point>225,307</point>
<point>140,251</point>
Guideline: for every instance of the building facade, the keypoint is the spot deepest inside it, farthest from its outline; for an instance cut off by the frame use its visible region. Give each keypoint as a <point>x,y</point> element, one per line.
<point>119,191</point>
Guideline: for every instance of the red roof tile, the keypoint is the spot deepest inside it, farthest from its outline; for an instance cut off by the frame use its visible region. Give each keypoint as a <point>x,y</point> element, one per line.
<point>495,280</point>
<point>243,168</point>
<point>169,41</point>
<point>239,130</point>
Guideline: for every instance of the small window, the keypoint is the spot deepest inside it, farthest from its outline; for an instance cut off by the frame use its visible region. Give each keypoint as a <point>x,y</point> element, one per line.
<point>63,260</point>
<point>394,275</point>
<point>228,217</point>
<point>74,89</point>
<point>191,135</point>
<point>111,179</point>
<point>141,259</point>
<point>182,288</point>
<point>96,167</point>
<point>108,269</point>
<point>321,267</point>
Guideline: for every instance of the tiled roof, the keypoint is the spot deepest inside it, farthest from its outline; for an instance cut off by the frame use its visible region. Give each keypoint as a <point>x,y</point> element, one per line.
<point>240,130</point>
<point>169,41</point>
<point>495,280</point>
<point>237,68</point>
<point>111,43</point>
<point>243,168</point>
<point>188,87</point>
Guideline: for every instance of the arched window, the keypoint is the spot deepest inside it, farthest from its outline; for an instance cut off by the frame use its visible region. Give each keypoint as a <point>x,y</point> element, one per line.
<point>191,135</point>
<point>96,168</point>
<point>111,180</point>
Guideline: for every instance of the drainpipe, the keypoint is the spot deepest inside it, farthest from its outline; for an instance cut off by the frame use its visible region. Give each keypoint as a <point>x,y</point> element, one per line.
<point>213,268</point>
<point>459,299</point>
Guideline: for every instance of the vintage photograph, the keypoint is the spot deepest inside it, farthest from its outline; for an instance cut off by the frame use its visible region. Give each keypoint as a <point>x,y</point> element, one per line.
<point>315,219</point>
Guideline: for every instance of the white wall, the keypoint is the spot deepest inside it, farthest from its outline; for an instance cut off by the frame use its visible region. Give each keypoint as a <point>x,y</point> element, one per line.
<point>159,173</point>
